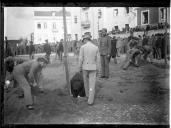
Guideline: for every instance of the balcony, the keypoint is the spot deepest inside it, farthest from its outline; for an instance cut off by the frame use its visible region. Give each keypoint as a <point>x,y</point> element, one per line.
<point>85,24</point>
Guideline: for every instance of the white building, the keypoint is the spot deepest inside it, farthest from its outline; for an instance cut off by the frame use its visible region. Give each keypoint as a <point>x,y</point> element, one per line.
<point>96,18</point>
<point>119,18</point>
<point>49,25</point>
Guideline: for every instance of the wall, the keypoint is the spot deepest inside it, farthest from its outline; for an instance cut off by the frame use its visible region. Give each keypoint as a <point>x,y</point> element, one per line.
<point>154,14</point>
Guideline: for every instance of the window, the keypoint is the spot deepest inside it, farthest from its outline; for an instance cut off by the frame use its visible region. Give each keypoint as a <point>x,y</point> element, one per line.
<point>127,27</point>
<point>53,13</point>
<point>116,27</point>
<point>162,14</point>
<point>99,13</point>
<point>145,17</point>
<point>54,25</point>
<point>76,36</point>
<point>75,19</point>
<point>115,12</point>
<point>86,16</point>
<point>127,9</point>
<point>39,26</point>
<point>45,25</point>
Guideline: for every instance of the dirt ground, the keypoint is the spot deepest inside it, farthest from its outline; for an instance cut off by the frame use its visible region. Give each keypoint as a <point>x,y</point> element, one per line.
<point>136,96</point>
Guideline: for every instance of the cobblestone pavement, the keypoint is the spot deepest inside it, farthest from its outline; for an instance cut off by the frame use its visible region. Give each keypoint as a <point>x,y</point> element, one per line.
<point>135,96</point>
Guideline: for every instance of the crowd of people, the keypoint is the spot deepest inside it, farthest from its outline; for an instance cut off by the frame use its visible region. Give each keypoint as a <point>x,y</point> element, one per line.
<point>93,56</point>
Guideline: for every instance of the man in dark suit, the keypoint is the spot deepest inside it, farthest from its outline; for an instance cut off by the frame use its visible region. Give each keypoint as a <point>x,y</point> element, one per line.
<point>113,49</point>
<point>61,49</point>
<point>47,50</point>
<point>31,50</point>
<point>105,51</point>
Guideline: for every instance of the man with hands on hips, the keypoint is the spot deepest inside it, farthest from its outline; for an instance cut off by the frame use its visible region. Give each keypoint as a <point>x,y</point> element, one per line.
<point>89,65</point>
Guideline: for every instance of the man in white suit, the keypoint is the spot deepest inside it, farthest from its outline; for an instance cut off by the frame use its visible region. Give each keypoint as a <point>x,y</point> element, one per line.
<point>89,63</point>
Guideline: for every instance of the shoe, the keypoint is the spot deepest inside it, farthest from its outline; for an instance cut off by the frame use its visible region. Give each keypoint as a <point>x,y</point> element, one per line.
<point>29,107</point>
<point>91,104</point>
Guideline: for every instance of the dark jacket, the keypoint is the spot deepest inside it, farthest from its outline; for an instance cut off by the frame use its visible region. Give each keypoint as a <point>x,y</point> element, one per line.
<point>113,47</point>
<point>60,47</point>
<point>47,48</point>
<point>105,45</point>
<point>31,49</point>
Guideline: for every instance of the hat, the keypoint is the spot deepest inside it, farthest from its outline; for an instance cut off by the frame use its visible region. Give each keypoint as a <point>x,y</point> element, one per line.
<point>43,59</point>
<point>104,30</point>
<point>87,35</point>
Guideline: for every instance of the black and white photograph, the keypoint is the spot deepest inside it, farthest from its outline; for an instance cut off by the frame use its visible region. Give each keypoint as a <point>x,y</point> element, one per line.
<point>86,65</point>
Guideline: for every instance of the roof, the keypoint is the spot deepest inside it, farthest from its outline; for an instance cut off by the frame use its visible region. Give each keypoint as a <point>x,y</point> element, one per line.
<point>13,41</point>
<point>49,13</point>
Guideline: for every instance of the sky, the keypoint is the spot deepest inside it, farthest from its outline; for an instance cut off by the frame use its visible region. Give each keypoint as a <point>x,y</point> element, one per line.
<point>19,21</point>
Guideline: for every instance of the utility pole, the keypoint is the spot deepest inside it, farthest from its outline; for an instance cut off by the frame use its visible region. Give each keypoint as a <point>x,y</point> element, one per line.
<point>165,36</point>
<point>65,51</point>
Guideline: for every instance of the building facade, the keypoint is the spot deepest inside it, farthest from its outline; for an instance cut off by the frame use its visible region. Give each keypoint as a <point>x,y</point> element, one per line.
<point>152,15</point>
<point>119,18</point>
<point>94,19</point>
<point>48,25</point>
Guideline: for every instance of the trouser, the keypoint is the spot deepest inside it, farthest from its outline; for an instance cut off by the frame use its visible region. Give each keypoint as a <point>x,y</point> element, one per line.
<point>158,52</point>
<point>60,55</point>
<point>23,83</point>
<point>155,53</point>
<point>104,65</point>
<point>56,55</point>
<point>48,57</point>
<point>118,51</point>
<point>89,77</point>
<point>31,56</point>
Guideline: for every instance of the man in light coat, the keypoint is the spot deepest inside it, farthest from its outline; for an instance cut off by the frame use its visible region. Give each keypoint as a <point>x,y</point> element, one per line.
<point>89,64</point>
